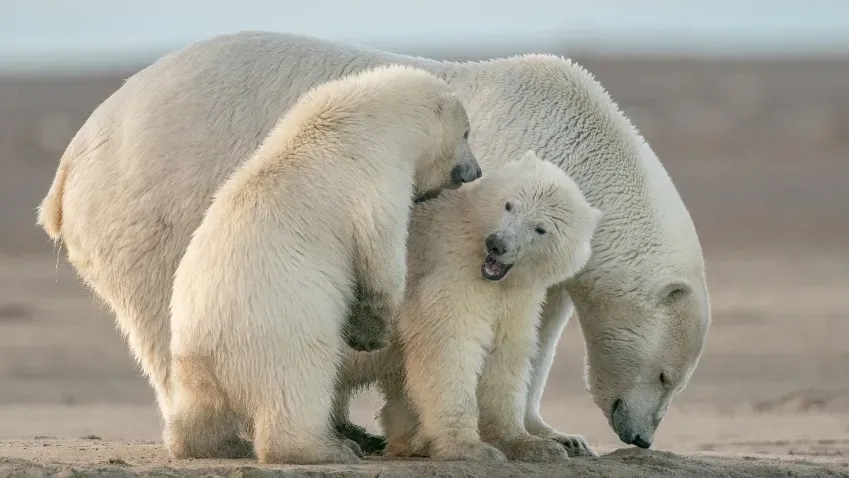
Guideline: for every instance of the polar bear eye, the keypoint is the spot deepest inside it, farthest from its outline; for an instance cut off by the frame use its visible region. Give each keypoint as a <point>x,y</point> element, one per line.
<point>466,135</point>
<point>508,207</point>
<point>663,379</point>
<point>540,231</point>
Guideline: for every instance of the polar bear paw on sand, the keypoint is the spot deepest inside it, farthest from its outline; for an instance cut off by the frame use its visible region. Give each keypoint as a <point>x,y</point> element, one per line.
<point>266,282</point>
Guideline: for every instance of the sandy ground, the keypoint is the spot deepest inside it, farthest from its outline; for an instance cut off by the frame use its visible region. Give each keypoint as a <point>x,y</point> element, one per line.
<point>760,153</point>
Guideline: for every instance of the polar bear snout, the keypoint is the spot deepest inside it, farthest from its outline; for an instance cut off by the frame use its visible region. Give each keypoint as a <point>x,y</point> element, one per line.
<point>465,173</point>
<point>628,426</point>
<point>466,168</point>
<point>507,245</point>
<point>495,244</point>
<point>494,266</point>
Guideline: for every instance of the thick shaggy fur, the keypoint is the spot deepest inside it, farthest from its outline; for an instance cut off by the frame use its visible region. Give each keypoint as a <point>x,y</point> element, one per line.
<point>268,277</point>
<point>134,182</point>
<point>466,338</point>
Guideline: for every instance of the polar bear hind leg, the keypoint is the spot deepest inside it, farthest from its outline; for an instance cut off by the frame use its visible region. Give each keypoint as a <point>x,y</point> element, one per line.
<point>201,423</point>
<point>293,393</point>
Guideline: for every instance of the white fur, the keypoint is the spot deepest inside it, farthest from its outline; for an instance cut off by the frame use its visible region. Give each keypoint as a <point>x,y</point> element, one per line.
<point>267,279</point>
<point>135,180</point>
<point>467,341</point>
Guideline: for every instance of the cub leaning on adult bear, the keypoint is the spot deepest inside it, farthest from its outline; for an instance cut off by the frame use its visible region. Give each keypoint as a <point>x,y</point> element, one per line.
<point>479,261</point>
<point>268,278</point>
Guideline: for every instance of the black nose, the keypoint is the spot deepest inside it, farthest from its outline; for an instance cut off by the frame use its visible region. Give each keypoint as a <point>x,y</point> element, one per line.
<point>640,442</point>
<point>464,173</point>
<point>495,244</point>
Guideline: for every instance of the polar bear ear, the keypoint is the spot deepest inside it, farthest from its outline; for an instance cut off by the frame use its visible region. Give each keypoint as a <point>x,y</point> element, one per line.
<point>442,75</point>
<point>675,290</point>
<point>441,105</point>
<point>448,104</point>
<point>529,155</point>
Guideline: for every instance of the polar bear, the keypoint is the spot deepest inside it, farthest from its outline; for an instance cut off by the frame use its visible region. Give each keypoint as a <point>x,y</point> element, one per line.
<point>480,260</point>
<point>267,279</point>
<point>134,182</point>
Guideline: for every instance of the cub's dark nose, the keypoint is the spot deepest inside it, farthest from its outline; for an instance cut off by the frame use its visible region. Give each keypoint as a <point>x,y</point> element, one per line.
<point>640,442</point>
<point>495,244</point>
<point>464,173</point>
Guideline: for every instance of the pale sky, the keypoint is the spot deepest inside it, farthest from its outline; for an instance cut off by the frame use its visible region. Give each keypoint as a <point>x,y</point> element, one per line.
<point>40,31</point>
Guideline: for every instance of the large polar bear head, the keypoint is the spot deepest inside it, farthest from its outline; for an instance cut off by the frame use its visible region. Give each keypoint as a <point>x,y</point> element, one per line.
<point>644,308</point>
<point>538,226</point>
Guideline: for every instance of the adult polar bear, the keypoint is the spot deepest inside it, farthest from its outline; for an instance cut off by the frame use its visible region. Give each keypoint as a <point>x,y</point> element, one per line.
<point>136,179</point>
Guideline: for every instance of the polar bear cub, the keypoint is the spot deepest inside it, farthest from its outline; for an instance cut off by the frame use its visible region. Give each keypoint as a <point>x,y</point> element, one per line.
<point>480,260</point>
<point>319,209</point>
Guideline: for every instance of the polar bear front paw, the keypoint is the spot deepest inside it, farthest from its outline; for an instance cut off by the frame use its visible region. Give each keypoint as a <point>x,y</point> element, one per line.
<point>575,445</point>
<point>535,449</point>
<point>467,451</point>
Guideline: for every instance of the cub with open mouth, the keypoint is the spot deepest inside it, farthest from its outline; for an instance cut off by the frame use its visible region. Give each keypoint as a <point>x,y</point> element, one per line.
<point>493,267</point>
<point>480,260</point>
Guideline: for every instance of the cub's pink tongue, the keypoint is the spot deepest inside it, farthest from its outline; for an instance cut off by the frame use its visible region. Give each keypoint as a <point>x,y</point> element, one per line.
<point>493,268</point>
